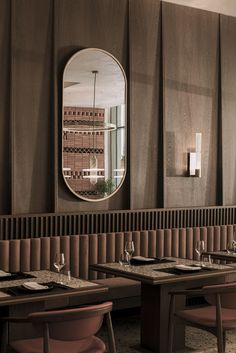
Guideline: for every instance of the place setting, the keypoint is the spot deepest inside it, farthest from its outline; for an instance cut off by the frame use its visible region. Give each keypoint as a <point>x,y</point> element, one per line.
<point>9,276</point>
<point>34,287</point>
<point>127,258</point>
<point>203,264</point>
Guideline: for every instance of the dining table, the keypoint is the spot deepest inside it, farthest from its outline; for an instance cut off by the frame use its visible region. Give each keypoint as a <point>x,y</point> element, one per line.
<point>223,255</point>
<point>25,292</point>
<point>157,279</point>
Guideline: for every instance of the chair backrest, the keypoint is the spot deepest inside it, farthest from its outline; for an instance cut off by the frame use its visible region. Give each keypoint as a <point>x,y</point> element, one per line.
<point>227,294</point>
<point>72,324</point>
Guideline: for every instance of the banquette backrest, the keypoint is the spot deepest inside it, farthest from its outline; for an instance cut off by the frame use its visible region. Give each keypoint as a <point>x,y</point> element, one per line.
<point>83,250</point>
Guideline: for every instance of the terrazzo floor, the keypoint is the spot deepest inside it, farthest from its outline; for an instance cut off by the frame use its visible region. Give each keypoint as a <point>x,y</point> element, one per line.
<point>127,333</point>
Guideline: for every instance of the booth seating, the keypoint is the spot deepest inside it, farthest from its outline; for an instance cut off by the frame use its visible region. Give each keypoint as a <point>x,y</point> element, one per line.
<point>83,250</point>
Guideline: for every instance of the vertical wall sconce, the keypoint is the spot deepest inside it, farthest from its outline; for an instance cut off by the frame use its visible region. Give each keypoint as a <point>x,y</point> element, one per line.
<point>198,153</point>
<point>194,158</point>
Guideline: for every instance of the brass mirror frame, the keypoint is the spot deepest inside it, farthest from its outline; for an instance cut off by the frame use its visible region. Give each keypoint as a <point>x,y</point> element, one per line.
<point>125,132</point>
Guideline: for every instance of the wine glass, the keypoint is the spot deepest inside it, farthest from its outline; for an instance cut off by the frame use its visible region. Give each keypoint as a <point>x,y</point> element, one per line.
<point>199,248</point>
<point>59,263</point>
<point>129,249</point>
<point>229,248</point>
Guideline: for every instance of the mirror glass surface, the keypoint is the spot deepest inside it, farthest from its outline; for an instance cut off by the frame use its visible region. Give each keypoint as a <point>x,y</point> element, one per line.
<point>94,124</point>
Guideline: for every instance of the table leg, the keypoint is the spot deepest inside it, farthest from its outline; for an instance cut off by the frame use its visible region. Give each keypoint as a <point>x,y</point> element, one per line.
<point>154,319</point>
<point>155,302</point>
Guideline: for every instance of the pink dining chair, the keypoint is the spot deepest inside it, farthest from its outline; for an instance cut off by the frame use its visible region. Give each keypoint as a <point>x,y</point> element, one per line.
<point>66,331</point>
<point>217,317</point>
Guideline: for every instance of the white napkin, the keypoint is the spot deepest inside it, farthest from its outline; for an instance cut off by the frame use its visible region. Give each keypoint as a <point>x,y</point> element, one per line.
<point>4,274</point>
<point>187,268</point>
<point>142,258</point>
<point>34,286</point>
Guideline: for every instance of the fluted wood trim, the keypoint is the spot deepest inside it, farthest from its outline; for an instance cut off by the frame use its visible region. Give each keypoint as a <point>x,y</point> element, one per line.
<point>43,225</point>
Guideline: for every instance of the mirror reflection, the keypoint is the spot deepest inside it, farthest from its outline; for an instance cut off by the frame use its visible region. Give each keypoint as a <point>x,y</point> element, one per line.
<point>94,125</point>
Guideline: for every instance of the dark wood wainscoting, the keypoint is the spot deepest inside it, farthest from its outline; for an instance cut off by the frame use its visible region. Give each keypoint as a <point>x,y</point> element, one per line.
<point>34,226</point>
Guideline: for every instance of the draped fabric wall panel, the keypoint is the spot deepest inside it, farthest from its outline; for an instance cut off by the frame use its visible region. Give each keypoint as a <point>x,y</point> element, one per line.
<point>228,72</point>
<point>5,121</point>
<point>144,85</point>
<point>190,89</point>
<point>31,106</point>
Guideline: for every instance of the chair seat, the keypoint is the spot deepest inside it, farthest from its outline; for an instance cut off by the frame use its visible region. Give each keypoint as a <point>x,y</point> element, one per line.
<point>207,316</point>
<point>89,345</point>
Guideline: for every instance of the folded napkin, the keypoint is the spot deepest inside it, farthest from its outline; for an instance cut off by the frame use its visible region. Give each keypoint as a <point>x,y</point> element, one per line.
<point>4,274</point>
<point>142,258</point>
<point>187,268</point>
<point>34,286</point>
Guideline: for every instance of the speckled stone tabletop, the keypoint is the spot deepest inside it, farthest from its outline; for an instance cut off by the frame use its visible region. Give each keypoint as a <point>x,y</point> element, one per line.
<point>45,277</point>
<point>154,272</point>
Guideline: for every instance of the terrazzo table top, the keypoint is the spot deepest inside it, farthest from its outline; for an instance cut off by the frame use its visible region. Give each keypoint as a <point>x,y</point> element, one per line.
<point>72,287</point>
<point>154,274</point>
<point>222,255</point>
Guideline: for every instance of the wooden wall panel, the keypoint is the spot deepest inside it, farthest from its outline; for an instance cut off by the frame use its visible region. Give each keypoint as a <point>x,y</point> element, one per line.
<point>5,121</point>
<point>32,114</point>
<point>228,72</point>
<point>190,90</point>
<point>90,24</point>
<point>145,143</point>
<point>37,38</point>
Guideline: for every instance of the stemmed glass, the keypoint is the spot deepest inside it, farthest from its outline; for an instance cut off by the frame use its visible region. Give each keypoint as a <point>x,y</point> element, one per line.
<point>231,247</point>
<point>59,263</point>
<point>129,250</point>
<point>200,247</point>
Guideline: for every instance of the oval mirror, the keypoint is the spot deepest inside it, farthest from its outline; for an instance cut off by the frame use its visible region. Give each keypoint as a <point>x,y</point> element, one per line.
<point>94,125</point>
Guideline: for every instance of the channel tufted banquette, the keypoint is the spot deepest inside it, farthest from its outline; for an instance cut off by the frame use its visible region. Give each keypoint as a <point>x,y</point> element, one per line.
<point>83,250</point>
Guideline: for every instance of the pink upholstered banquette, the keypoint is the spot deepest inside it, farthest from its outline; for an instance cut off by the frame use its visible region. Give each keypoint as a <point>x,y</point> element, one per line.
<point>83,250</point>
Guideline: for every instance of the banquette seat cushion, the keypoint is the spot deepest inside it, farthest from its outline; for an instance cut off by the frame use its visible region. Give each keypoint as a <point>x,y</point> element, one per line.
<point>124,292</point>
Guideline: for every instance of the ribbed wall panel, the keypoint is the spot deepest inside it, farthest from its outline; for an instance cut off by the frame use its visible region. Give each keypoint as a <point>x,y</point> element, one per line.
<point>36,226</point>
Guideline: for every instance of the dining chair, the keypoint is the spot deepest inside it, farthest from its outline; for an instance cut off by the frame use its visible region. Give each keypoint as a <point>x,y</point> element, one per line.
<point>218,316</point>
<point>64,331</point>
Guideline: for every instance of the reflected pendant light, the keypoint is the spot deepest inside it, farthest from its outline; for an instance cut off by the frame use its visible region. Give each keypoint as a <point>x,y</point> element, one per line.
<point>93,161</point>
